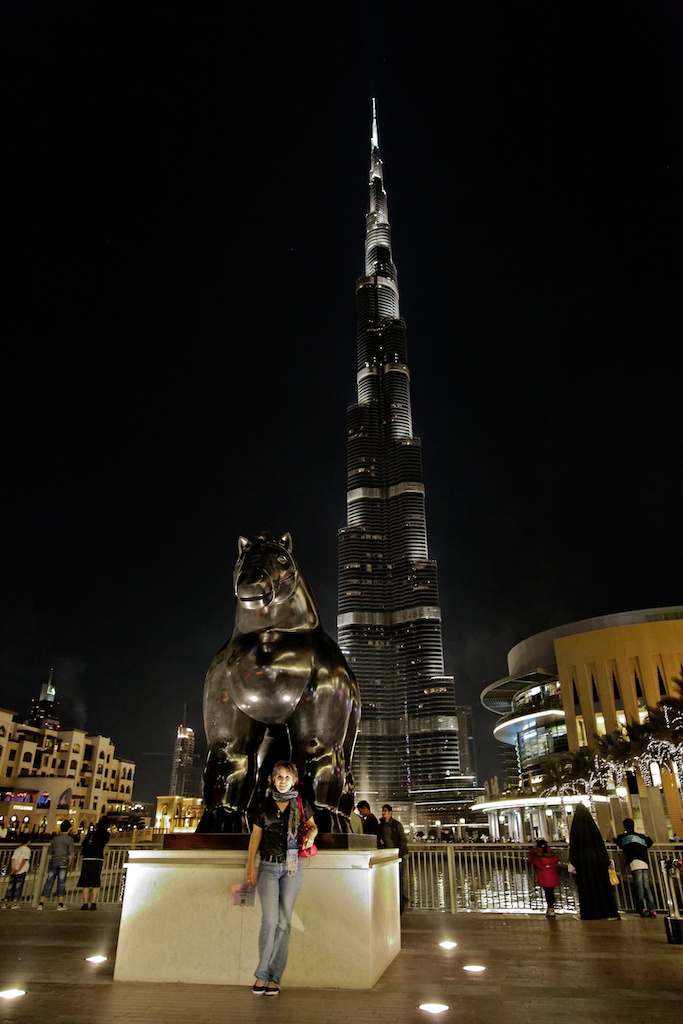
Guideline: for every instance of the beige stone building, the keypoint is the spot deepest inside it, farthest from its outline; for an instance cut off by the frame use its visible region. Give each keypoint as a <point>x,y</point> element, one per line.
<point>47,774</point>
<point>178,813</point>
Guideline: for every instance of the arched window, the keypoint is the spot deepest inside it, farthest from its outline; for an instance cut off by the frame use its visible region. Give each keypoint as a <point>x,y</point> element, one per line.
<point>64,802</point>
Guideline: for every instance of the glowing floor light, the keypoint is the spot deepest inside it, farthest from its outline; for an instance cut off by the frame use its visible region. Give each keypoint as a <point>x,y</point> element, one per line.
<point>95,959</point>
<point>448,944</point>
<point>433,1007</point>
<point>12,993</point>
<point>474,968</point>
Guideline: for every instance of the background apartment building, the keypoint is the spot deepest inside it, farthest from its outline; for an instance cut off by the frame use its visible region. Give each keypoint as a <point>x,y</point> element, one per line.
<point>47,774</point>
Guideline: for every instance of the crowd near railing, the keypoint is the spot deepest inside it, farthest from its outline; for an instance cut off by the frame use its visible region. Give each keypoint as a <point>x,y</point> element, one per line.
<point>112,881</point>
<point>442,877</point>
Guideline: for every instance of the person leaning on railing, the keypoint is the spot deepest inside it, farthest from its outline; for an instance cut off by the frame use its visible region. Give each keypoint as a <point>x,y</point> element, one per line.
<point>545,861</point>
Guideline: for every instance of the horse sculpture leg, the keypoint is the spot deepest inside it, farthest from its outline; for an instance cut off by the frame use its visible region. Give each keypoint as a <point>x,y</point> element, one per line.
<point>323,728</point>
<point>231,768</point>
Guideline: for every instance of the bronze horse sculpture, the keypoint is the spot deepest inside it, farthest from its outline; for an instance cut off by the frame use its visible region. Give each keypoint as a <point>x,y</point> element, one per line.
<point>280,689</point>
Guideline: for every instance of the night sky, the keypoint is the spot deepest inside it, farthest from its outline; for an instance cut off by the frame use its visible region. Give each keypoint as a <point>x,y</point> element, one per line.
<point>185,187</point>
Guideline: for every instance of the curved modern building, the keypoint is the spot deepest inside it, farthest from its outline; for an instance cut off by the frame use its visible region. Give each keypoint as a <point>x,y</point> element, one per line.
<point>565,687</point>
<point>414,745</point>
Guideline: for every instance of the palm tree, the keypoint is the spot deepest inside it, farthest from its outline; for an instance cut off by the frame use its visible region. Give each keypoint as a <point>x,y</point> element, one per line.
<point>671,711</point>
<point>586,773</point>
<point>614,749</point>
<point>554,782</point>
<point>665,725</point>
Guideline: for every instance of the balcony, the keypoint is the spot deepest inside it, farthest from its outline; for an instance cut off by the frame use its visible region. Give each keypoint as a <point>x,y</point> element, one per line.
<point>539,712</point>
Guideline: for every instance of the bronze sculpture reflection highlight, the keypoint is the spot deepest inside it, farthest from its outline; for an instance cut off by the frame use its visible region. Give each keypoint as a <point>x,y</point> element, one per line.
<point>280,689</point>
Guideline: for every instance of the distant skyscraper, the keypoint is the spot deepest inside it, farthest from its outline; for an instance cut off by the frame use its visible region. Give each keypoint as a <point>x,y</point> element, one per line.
<point>389,618</point>
<point>185,773</point>
<point>43,713</point>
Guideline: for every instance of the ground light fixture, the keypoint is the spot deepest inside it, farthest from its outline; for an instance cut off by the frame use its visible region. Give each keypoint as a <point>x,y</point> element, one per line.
<point>447,944</point>
<point>96,959</point>
<point>12,993</point>
<point>433,1007</point>
<point>474,968</point>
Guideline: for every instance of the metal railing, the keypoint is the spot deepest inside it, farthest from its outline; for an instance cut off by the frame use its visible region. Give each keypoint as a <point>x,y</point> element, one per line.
<point>111,888</point>
<point>491,877</point>
<point>442,877</point>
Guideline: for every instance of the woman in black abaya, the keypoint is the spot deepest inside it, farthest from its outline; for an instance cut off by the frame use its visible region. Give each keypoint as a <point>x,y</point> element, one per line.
<point>589,857</point>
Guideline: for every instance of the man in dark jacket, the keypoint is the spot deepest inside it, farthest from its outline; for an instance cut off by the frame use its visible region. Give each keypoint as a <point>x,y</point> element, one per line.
<point>392,837</point>
<point>634,846</point>
<point>370,822</point>
<point>391,833</point>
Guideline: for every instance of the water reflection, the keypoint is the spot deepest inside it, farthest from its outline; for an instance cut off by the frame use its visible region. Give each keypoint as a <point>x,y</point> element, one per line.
<point>480,879</point>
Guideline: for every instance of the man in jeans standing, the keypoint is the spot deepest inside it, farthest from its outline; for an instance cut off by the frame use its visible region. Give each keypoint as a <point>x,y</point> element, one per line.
<point>634,846</point>
<point>61,853</point>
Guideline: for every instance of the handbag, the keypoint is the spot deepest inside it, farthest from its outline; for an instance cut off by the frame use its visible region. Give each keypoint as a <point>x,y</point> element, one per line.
<point>612,874</point>
<point>312,849</point>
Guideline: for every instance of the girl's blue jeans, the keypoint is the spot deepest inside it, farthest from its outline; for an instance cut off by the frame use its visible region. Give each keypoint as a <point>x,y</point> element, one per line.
<point>277,894</point>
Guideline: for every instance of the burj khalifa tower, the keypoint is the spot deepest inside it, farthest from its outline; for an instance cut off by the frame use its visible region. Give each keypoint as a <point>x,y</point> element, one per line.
<point>415,745</point>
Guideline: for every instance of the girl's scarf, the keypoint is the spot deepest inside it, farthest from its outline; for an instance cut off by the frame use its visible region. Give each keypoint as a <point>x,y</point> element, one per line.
<point>293,827</point>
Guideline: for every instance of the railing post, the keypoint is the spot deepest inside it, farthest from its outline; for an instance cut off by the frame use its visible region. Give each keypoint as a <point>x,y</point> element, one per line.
<point>40,871</point>
<point>452,888</point>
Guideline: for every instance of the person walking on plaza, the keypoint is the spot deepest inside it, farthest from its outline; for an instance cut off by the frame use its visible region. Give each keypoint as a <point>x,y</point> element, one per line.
<point>545,861</point>
<point>61,853</point>
<point>283,824</point>
<point>634,846</point>
<point>370,822</point>
<point>19,864</point>
<point>392,836</point>
<point>92,849</point>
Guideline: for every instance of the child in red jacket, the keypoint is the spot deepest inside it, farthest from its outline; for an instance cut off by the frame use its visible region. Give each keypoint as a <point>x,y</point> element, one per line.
<point>543,858</point>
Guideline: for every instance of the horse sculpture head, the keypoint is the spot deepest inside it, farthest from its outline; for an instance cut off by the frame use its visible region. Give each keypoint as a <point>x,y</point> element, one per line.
<point>270,590</point>
<point>265,571</point>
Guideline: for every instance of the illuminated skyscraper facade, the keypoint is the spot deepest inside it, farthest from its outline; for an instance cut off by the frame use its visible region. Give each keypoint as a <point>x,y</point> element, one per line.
<point>389,618</point>
<point>44,711</point>
<point>185,773</point>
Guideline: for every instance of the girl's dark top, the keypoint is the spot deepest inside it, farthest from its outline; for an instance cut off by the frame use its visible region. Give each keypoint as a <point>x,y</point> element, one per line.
<point>274,824</point>
<point>93,845</point>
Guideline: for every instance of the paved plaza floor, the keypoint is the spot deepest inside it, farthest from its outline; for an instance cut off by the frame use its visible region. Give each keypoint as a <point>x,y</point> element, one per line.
<point>564,971</point>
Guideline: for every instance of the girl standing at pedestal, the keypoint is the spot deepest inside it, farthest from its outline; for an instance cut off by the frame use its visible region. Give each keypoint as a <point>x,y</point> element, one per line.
<point>283,822</point>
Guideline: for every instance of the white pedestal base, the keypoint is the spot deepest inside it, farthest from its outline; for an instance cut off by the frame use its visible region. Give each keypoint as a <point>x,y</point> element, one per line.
<point>177,924</point>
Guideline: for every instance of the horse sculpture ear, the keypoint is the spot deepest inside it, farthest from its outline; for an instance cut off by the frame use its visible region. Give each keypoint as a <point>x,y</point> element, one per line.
<point>242,543</point>
<point>286,541</point>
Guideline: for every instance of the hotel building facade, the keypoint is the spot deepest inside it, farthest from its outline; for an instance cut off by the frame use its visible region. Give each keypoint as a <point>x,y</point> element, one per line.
<point>48,774</point>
